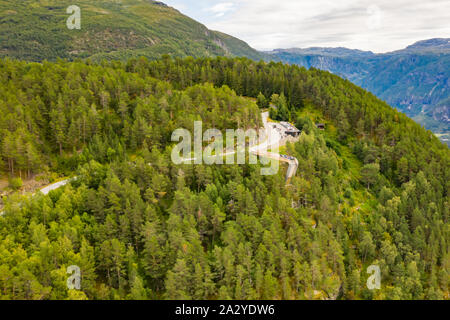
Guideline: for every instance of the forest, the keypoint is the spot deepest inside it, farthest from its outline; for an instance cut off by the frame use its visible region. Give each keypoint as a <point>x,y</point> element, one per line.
<point>371,189</point>
<point>35,30</point>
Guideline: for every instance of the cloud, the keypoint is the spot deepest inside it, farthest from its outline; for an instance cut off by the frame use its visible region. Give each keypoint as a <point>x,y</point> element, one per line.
<point>377,25</point>
<point>375,16</point>
<point>221,9</point>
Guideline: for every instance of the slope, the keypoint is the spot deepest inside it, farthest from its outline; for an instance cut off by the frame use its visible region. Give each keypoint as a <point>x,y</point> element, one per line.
<point>37,30</point>
<point>371,189</point>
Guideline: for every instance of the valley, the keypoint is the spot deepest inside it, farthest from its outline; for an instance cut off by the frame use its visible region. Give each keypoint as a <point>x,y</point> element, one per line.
<point>414,80</point>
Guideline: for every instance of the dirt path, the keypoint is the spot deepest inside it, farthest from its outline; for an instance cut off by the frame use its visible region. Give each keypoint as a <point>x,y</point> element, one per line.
<point>3,183</point>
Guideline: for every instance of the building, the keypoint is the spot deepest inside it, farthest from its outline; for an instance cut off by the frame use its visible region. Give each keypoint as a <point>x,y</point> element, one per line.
<point>320,126</point>
<point>289,129</point>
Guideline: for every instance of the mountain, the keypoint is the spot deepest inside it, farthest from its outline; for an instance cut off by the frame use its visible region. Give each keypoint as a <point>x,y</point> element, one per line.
<point>110,29</point>
<point>437,45</point>
<point>415,79</point>
<point>371,189</point>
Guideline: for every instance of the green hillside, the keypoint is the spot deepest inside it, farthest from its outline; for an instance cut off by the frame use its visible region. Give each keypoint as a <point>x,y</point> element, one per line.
<point>371,189</point>
<point>36,31</point>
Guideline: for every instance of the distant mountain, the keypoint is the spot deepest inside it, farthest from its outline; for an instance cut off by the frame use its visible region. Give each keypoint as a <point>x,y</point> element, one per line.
<point>437,45</point>
<point>111,29</point>
<point>415,80</point>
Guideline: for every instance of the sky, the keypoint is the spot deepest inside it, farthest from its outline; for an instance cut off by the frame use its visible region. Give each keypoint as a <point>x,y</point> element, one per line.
<point>374,25</point>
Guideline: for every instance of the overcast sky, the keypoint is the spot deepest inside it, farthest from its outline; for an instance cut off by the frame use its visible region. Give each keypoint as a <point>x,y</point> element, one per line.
<point>376,25</point>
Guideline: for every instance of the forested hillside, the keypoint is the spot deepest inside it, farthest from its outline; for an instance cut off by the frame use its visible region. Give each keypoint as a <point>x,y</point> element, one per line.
<point>373,188</point>
<point>110,29</point>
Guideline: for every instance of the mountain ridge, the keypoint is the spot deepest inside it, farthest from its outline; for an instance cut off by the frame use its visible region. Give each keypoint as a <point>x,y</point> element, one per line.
<point>413,79</point>
<point>427,45</point>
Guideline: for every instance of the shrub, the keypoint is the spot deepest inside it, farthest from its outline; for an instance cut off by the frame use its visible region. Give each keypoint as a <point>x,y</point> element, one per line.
<point>15,183</point>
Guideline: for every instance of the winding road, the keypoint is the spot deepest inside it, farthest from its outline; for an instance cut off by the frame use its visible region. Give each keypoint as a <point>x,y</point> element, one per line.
<point>274,139</point>
<point>54,186</point>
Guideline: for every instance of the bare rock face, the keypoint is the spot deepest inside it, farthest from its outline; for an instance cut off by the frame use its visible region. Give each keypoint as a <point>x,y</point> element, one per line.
<point>159,3</point>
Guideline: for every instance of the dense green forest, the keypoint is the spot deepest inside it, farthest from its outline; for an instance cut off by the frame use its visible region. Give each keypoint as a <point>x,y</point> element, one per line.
<point>373,188</point>
<point>36,30</point>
